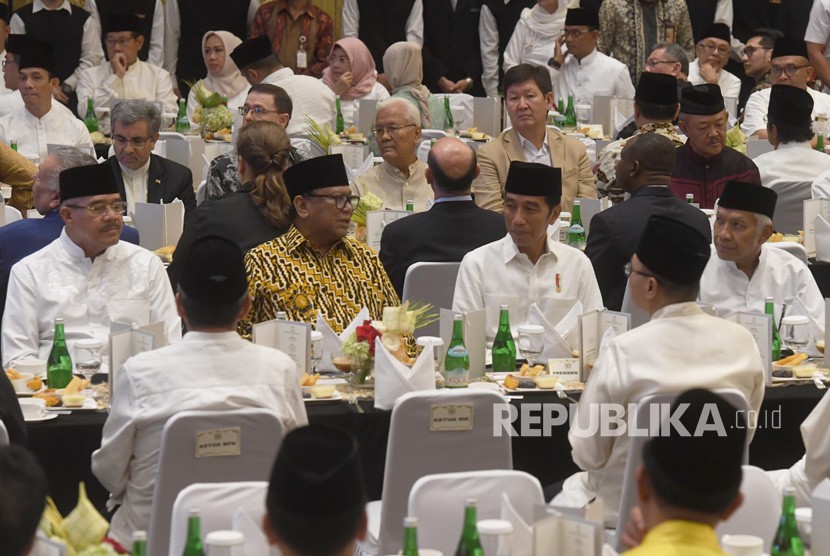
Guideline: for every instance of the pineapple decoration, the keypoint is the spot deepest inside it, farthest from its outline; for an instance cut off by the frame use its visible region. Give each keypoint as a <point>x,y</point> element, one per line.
<point>212,115</point>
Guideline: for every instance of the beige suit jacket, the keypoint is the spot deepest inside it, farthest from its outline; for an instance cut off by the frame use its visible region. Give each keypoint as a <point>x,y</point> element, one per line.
<point>567,153</point>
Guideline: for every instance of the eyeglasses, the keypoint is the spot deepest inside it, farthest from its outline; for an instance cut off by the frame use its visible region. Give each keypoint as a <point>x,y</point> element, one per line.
<point>123,41</point>
<point>6,62</point>
<point>98,210</point>
<point>392,129</point>
<point>748,51</point>
<point>258,110</point>
<point>712,47</point>
<point>137,142</point>
<point>652,62</point>
<point>339,200</point>
<point>789,69</point>
<point>575,33</point>
<point>628,270</point>
<point>341,59</point>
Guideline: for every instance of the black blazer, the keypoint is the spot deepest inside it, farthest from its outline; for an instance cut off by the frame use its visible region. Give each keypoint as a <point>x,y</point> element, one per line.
<point>444,233</point>
<point>166,181</point>
<point>451,43</point>
<point>615,234</point>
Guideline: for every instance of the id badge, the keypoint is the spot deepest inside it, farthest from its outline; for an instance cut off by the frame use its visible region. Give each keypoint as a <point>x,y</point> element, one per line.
<point>302,59</point>
<point>670,35</point>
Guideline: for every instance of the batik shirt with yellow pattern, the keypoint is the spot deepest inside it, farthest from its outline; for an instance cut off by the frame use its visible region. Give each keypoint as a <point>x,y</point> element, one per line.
<point>289,274</point>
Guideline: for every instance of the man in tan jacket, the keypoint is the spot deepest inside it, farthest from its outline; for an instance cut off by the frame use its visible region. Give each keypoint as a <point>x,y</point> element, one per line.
<point>528,95</point>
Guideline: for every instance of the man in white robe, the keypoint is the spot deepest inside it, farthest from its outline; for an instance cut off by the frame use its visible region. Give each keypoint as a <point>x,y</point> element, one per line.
<point>681,347</point>
<point>712,55</point>
<point>744,269</point>
<point>87,276</point>
<point>125,76</point>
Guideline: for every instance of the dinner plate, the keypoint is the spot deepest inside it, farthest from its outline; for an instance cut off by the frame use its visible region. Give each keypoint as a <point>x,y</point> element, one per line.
<point>46,417</point>
<point>89,405</point>
<point>336,397</point>
<point>31,393</point>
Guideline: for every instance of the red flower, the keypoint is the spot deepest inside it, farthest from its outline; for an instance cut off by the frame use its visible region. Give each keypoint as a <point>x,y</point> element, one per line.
<point>367,333</point>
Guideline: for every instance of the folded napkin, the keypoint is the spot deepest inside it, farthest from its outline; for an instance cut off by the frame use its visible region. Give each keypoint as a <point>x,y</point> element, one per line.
<point>256,544</point>
<point>607,336</point>
<point>555,344</point>
<point>332,343</point>
<point>393,379</point>
<point>366,165</point>
<point>822,239</point>
<point>522,532</point>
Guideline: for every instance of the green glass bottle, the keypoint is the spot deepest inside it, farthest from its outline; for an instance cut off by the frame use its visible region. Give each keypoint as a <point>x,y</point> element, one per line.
<point>340,123</point>
<point>182,123</point>
<point>139,543</point>
<point>457,360</point>
<point>410,536</point>
<point>769,308</point>
<point>576,232</point>
<point>561,106</point>
<point>410,205</point>
<point>504,348</point>
<point>193,547</point>
<point>690,198</point>
<point>570,114</point>
<point>469,545</point>
<point>90,120</point>
<point>820,142</point>
<point>787,541</point>
<point>59,364</point>
<point>448,113</point>
<point>13,144</point>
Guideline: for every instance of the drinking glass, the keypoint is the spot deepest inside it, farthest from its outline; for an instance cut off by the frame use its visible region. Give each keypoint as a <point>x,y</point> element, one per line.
<point>88,357</point>
<point>794,332</point>
<point>316,349</point>
<point>531,341</point>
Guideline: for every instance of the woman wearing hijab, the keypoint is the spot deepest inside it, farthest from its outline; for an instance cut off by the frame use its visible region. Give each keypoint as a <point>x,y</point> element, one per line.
<point>351,75</point>
<point>223,76</point>
<point>535,35</point>
<point>404,69</point>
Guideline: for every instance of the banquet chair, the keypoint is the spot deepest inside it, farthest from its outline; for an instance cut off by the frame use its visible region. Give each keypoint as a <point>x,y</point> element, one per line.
<point>430,134</point>
<point>792,248</point>
<point>260,436</point>
<point>4,434</point>
<point>638,316</point>
<point>11,214</point>
<point>419,446</point>
<point>760,511</point>
<point>430,282</point>
<point>789,208</point>
<point>438,502</point>
<point>628,497</point>
<point>217,503</point>
<point>201,193</point>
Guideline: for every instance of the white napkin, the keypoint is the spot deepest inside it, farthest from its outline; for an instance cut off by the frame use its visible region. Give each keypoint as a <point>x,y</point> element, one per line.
<point>522,532</point>
<point>555,344</point>
<point>607,336</point>
<point>822,239</point>
<point>256,544</point>
<point>367,164</point>
<point>393,379</point>
<point>332,343</point>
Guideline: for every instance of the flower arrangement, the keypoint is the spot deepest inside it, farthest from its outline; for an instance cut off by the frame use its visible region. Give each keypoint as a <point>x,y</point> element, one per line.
<point>212,114</point>
<point>367,202</point>
<point>396,324</point>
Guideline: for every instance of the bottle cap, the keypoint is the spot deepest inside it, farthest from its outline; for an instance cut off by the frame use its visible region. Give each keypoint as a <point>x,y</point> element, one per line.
<point>425,341</point>
<point>193,512</point>
<point>795,320</point>
<point>410,521</point>
<point>504,307</point>
<point>470,501</point>
<point>139,536</point>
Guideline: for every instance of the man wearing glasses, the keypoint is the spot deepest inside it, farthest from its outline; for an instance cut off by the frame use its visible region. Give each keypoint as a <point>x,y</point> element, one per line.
<point>790,66</point>
<point>314,268</point>
<point>400,177</point>
<point>583,71</point>
<point>757,60</point>
<point>86,276</point>
<point>712,55</point>
<point>140,175</point>
<point>125,76</point>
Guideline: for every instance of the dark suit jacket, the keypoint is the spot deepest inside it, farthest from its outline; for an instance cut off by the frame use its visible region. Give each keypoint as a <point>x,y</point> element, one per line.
<point>615,234</point>
<point>234,216</point>
<point>451,43</point>
<point>167,181</point>
<point>444,233</point>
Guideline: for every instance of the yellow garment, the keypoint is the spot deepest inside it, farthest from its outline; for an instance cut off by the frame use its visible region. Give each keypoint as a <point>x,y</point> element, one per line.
<point>679,538</point>
<point>17,171</point>
<point>288,274</point>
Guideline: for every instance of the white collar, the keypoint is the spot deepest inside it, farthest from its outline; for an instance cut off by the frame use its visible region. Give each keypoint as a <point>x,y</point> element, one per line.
<point>794,145</point>
<point>589,59</point>
<point>684,309</point>
<point>525,142</point>
<point>73,249</point>
<point>395,171</point>
<point>510,250</point>
<point>34,119</point>
<point>38,5</point>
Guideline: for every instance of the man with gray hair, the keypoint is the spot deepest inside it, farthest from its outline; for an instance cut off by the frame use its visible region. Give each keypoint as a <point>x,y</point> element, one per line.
<point>22,238</point>
<point>142,176</point>
<point>400,177</point>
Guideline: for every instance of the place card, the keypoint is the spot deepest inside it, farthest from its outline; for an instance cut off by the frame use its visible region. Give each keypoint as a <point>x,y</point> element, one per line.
<point>127,340</point>
<point>566,535</point>
<point>564,369</point>
<point>474,338</point>
<point>159,225</point>
<point>376,221</point>
<point>353,155</point>
<point>456,417</point>
<point>812,209</point>
<point>219,442</point>
<point>592,328</point>
<point>760,326</point>
<point>290,337</point>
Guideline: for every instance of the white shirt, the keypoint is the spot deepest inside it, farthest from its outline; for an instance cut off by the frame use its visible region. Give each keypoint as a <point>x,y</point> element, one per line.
<point>395,189</point>
<point>818,28</point>
<point>33,134</point>
<point>173,32</point>
<point>530,46</point>
<point>143,81</point>
<point>310,98</point>
<point>680,348</point>
<point>196,373</point>
<point>414,23</point>
<point>532,154</point>
<point>92,53</point>
<point>595,74</point>
<point>13,101</point>
<point>156,38</point>
<point>125,284</point>
<point>3,89</point>
<point>730,86</point>
<point>135,185</point>
<point>498,273</point>
<point>757,106</point>
<point>821,187</point>
<point>779,275</point>
<point>351,108</point>
<point>233,103</point>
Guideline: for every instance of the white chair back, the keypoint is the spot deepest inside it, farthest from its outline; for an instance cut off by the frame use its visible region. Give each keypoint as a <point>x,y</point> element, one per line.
<point>417,449</point>
<point>792,248</point>
<point>760,511</point>
<point>217,503</point>
<point>789,208</point>
<point>638,316</point>
<point>430,134</point>
<point>463,112</point>
<point>438,502</point>
<point>757,147</point>
<point>11,214</point>
<point>201,192</point>
<point>260,435</point>
<point>434,283</point>
<point>628,498</point>
<point>487,115</point>
<point>4,434</point>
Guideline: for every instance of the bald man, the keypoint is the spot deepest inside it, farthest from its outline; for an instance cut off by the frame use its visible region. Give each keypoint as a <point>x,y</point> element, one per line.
<point>644,171</point>
<point>453,226</point>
